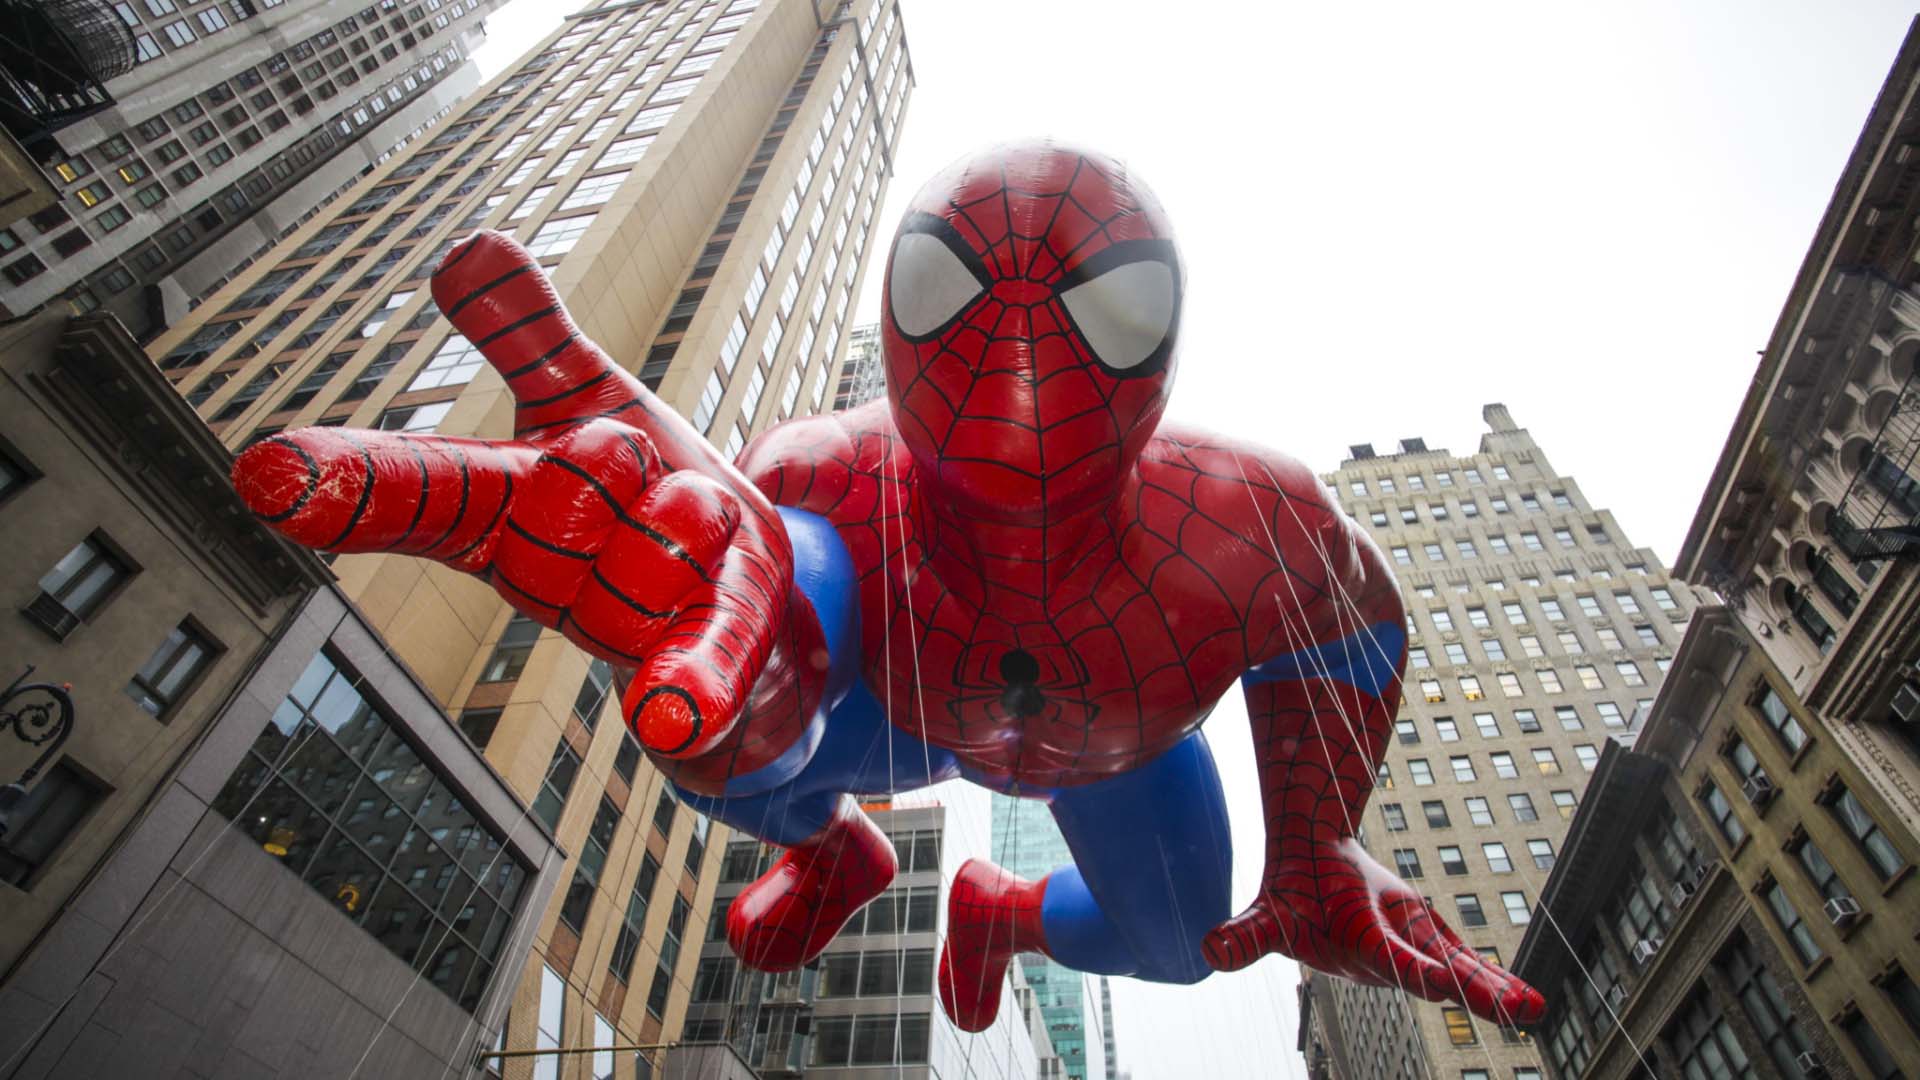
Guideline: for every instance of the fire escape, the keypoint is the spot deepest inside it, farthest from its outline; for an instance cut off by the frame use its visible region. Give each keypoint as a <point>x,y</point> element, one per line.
<point>1879,516</point>
<point>55,59</point>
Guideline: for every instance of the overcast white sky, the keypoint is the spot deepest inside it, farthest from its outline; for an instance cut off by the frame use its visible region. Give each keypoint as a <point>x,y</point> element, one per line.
<point>1393,213</point>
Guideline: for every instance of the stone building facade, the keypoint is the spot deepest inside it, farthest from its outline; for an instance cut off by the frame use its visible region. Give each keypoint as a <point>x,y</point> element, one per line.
<point>1810,528</point>
<point>262,850</point>
<point>1753,913</point>
<point>1810,524</point>
<point>135,576</point>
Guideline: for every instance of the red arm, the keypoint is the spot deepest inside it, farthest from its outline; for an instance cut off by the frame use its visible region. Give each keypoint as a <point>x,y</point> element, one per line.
<point>606,517</point>
<point>1322,704</point>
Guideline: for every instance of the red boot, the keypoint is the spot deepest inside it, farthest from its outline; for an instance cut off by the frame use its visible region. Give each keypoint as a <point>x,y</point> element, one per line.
<point>991,914</point>
<point>793,911</point>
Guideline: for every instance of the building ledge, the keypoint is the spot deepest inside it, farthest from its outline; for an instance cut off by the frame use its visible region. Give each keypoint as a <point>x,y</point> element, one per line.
<point>106,385</point>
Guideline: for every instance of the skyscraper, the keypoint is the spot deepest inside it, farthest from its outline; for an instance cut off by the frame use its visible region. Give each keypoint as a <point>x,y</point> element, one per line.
<point>1537,632</point>
<point>233,121</point>
<point>1106,1027</point>
<point>1027,842</point>
<point>699,178</point>
<point>864,377</point>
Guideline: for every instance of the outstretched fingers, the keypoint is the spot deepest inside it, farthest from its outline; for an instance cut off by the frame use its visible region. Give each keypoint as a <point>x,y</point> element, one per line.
<point>1485,988</point>
<point>1246,937</point>
<point>578,493</point>
<point>692,686</point>
<point>496,294</point>
<point>360,491</point>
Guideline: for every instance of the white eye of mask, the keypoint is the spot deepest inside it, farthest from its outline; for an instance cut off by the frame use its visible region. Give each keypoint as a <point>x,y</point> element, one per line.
<point>928,286</point>
<point>1125,313</point>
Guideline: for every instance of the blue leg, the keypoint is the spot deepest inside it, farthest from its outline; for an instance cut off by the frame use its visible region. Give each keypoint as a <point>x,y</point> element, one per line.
<point>1152,869</point>
<point>859,751</point>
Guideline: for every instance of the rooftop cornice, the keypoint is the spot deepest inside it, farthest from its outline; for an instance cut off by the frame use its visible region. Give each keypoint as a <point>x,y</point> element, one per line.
<point>1851,236</point>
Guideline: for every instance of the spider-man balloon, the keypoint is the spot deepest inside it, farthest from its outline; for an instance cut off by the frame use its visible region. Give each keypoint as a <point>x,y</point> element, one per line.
<point>1009,571</point>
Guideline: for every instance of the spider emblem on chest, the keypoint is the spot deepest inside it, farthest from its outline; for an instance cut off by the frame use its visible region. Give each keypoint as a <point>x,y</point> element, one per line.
<point>1018,686</point>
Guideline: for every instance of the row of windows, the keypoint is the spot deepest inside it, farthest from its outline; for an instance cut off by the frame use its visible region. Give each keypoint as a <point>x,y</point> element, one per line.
<point>1446,729</point>
<point>505,663</point>
<point>338,794</point>
<point>1512,902</point>
<point>1469,506</point>
<point>1388,485</point>
<point>1873,845</point>
<point>1516,614</point>
<point>454,363</point>
<point>1566,574</point>
<point>1433,690</point>
<point>1466,549</point>
<point>1504,766</point>
<point>1453,862</point>
<point>804,242</point>
<point>1571,643</point>
<point>208,122</point>
<point>1702,1042</point>
<point>75,590</point>
<point>1479,810</point>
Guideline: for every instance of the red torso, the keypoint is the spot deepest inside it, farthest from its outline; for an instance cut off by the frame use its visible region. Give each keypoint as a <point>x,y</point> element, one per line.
<point>1082,649</point>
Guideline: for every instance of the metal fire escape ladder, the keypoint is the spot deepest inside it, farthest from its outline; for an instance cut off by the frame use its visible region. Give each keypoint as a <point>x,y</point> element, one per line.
<point>1879,516</point>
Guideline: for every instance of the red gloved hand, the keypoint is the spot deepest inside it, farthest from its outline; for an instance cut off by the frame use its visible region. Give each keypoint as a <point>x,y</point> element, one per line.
<point>606,516</point>
<point>1341,912</point>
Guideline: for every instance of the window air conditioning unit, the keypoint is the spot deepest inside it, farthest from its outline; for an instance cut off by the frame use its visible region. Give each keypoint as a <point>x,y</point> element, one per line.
<point>1701,873</point>
<point>1644,949</point>
<point>1617,996</point>
<point>1759,789</point>
<point>1843,911</point>
<point>1906,703</point>
<point>1810,1066</point>
<point>1681,892</point>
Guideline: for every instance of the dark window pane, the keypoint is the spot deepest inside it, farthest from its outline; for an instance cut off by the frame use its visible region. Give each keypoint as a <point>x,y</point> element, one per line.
<point>284,824</point>
<point>397,920</point>
<point>320,771</point>
<point>401,772</point>
<point>450,965</point>
<point>573,911</point>
<point>657,993</point>
<point>478,725</point>
<point>374,821</point>
<point>342,873</point>
<point>52,808</point>
<point>627,760</point>
<point>832,1040</point>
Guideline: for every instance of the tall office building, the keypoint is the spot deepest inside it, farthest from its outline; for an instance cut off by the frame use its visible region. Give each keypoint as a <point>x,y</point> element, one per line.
<point>1537,632</point>
<point>870,1000</point>
<point>233,121</point>
<point>1027,842</point>
<point>1106,1027</point>
<point>700,179</point>
<point>864,377</point>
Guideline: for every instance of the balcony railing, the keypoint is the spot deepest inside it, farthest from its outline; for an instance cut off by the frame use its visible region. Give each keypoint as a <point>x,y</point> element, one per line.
<point>55,59</point>
<point>1879,516</point>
